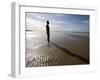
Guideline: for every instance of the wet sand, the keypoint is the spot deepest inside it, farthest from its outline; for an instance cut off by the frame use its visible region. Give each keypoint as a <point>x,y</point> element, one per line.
<point>65,48</point>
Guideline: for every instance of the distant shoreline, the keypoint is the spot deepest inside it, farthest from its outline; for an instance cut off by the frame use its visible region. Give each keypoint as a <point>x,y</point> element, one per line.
<point>57,31</point>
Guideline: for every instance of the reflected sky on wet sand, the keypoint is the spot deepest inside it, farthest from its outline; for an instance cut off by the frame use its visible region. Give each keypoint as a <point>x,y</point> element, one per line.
<point>65,49</point>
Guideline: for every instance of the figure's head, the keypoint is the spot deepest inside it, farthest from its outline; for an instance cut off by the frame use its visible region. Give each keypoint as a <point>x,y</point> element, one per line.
<point>47,22</point>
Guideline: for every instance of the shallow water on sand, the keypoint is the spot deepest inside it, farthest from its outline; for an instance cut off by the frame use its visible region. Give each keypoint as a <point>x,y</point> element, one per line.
<point>65,48</point>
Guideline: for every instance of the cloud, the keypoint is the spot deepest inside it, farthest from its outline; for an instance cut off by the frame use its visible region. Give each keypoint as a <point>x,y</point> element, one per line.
<point>35,24</point>
<point>85,21</point>
<point>40,17</point>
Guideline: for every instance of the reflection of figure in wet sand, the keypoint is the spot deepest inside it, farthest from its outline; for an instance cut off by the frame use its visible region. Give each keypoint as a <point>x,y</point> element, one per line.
<point>48,31</point>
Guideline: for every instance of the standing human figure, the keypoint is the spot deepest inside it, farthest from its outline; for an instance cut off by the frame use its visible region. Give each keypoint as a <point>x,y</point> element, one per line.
<point>48,31</point>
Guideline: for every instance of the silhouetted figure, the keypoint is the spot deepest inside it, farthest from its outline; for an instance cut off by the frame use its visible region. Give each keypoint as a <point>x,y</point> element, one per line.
<point>48,31</point>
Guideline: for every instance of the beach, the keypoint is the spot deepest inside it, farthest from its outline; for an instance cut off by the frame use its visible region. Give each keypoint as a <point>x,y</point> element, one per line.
<point>65,48</point>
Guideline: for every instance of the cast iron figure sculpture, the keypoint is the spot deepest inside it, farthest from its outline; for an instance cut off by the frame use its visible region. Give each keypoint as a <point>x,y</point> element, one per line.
<point>48,31</point>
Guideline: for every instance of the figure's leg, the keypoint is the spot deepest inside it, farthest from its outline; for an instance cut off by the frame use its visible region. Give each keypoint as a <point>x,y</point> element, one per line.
<point>48,38</point>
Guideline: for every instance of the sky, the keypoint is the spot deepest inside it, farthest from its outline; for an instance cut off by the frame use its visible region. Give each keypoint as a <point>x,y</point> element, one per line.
<point>58,22</point>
